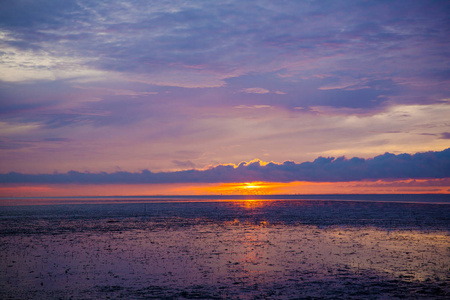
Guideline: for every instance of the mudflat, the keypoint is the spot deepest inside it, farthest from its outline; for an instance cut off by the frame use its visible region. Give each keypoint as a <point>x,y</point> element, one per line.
<point>240,249</point>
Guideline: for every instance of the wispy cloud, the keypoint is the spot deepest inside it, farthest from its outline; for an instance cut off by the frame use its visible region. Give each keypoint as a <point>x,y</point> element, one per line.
<point>253,106</point>
<point>256,90</point>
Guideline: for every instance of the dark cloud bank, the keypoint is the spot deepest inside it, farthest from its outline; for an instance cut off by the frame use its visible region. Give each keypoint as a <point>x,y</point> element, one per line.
<point>387,166</point>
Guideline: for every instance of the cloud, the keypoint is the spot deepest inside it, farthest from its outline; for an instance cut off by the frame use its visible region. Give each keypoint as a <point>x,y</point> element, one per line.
<point>185,43</point>
<point>183,163</point>
<point>253,106</point>
<point>427,165</point>
<point>256,90</point>
<point>164,76</point>
<point>445,135</point>
<point>349,85</point>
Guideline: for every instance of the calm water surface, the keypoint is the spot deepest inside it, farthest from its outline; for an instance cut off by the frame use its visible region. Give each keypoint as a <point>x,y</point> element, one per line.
<point>403,211</point>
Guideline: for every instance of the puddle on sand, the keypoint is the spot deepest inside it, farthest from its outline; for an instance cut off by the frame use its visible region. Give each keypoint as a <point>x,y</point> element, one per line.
<point>226,259</point>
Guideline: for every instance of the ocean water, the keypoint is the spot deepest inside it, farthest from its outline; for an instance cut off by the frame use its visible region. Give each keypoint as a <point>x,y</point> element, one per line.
<point>394,211</point>
<point>222,247</point>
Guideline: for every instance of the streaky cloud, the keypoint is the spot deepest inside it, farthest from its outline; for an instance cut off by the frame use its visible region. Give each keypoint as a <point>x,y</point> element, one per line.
<point>425,165</point>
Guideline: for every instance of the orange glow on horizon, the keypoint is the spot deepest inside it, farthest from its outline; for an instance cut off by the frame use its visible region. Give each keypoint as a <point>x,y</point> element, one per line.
<point>441,186</point>
<point>241,188</point>
<point>423,186</point>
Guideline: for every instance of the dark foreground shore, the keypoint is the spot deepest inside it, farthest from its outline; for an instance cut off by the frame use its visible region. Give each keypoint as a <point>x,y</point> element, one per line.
<point>241,249</point>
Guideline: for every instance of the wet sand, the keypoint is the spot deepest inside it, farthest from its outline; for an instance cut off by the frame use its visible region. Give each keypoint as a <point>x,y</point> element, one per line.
<point>238,250</point>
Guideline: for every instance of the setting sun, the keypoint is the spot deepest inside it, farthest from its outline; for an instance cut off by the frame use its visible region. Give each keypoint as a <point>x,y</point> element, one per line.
<point>242,188</point>
<point>252,185</point>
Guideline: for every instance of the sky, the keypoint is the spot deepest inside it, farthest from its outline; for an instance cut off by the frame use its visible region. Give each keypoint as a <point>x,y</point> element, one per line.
<point>145,97</point>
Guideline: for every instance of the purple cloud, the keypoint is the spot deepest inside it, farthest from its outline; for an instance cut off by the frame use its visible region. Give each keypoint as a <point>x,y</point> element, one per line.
<point>428,165</point>
<point>445,135</point>
<point>168,76</point>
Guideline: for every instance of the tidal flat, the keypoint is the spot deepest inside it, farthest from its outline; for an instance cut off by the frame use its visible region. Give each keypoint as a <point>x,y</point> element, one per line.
<point>236,249</point>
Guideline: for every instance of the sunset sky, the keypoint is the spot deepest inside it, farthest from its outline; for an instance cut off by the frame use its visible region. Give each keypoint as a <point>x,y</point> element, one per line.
<point>205,97</point>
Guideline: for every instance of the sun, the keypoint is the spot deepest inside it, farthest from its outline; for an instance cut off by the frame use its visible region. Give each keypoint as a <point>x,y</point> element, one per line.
<point>251,185</point>
<point>253,188</point>
<point>242,188</point>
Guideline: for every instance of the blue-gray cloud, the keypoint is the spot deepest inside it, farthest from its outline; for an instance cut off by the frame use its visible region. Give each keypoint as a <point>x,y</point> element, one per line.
<point>374,42</point>
<point>428,165</point>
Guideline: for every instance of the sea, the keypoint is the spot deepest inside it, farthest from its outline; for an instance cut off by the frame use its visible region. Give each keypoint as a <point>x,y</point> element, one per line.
<point>404,211</point>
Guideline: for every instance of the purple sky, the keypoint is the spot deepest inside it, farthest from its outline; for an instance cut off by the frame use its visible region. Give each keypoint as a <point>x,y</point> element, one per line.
<point>174,85</point>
